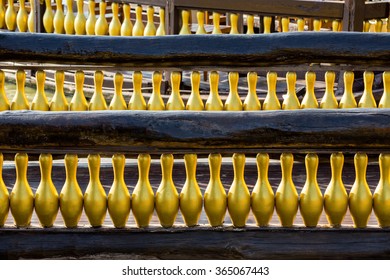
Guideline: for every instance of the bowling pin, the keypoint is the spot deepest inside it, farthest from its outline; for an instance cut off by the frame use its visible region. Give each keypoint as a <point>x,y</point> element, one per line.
<point>215,200</point>
<point>150,28</point>
<point>91,20</point>
<point>127,25</point>
<point>101,26</point>
<point>381,198</point>
<point>119,201</point>
<point>48,17</point>
<point>336,25</point>
<point>167,197</point>
<point>95,199</point>
<point>4,196</point>
<point>250,23</point>
<point>317,24</point>
<point>200,18</point>
<point>239,198</point>
<point>46,196</point>
<point>59,102</point>
<point>262,197</point>
<point>21,198</point>
<point>78,102</point>
<point>118,101</point>
<point>30,18</point>
<point>360,197</point>
<point>185,28</point>
<point>21,17</point>
<point>40,101</point>
<point>216,20</point>
<point>190,196</point>
<point>69,18</point>
<point>137,101</point>
<point>234,24</point>
<point>175,102</point>
<point>309,101</point>
<point>195,102</point>
<point>267,21</point>
<point>335,196</point>
<point>251,102</point>
<point>20,102</point>
<point>155,102</point>
<point>290,100</point>
<point>214,102</point>
<point>4,103</point>
<point>59,18</point>
<point>143,197</point>
<point>71,197</point>
<point>301,24</point>
<point>233,101</point>
<point>10,16</point>
<point>378,25</point>
<point>385,99</point>
<point>366,26</point>
<point>114,29</point>
<point>329,101</point>
<point>310,198</point>
<point>80,20</point>
<point>138,28</point>
<point>97,100</point>
<point>271,101</point>
<point>285,24</point>
<point>348,99</point>
<point>2,14</point>
<point>161,28</point>
<point>286,198</point>
<point>367,100</point>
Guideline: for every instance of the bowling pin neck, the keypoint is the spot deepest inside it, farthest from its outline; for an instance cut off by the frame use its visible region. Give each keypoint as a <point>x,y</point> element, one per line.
<point>40,76</point>
<point>195,81</point>
<point>144,167</point>
<point>233,82</point>
<point>250,20</point>
<point>94,167</point>
<point>21,162</point>
<point>138,13</point>
<point>20,80</point>
<point>271,82</point>
<point>102,9</point>
<point>80,6</point>
<point>118,84</point>
<point>301,24</point>
<point>336,165</point>
<point>234,24</point>
<point>58,5</point>
<point>361,161</point>
<point>310,100</point>
<point>335,25</point>
<point>166,167</point>
<point>384,167</point>
<point>161,28</point>
<point>368,81</point>
<point>45,163</point>
<point>291,81</point>
<point>79,80</point>
<point>386,82</point>
<point>175,81</point>
<point>252,83</point>
<point>69,5</point>
<point>71,162</point>
<point>156,82</point>
<point>1,164</point>
<point>48,5</point>
<point>238,167</point>
<point>262,161</point>
<point>115,9</point>
<point>329,80</point>
<point>150,14</point>
<point>214,80</point>
<point>286,162</point>
<point>98,82</point>
<point>216,20</point>
<point>311,162</point>
<point>267,24</point>
<point>215,161</point>
<point>348,82</point>
<point>137,82</point>
<point>126,11</point>
<point>190,164</point>
<point>118,162</point>
<point>200,19</point>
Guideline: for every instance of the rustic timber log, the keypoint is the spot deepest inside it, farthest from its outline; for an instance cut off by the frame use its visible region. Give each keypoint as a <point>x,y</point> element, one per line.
<point>198,52</point>
<point>202,132</point>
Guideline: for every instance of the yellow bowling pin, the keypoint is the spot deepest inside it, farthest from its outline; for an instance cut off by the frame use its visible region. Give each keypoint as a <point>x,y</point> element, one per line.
<point>40,101</point>
<point>290,100</point>
<point>262,197</point>
<point>309,101</point>
<point>385,99</point>
<point>119,201</point>
<point>234,24</point>
<point>156,103</point>
<point>310,198</point>
<point>175,102</point>
<point>91,20</point>
<point>71,197</point>
<point>31,17</point>
<point>46,196</point>
<point>127,25</point>
<point>69,18</point>
<point>59,18</point>
<point>367,100</point>
<point>301,24</point>
<point>4,103</point>
<point>215,200</point>
<point>233,101</point>
<point>190,196</point>
<point>21,17</point>
<point>336,25</point>
<point>167,197</point>
<point>48,17</point>
<point>378,25</point>
<point>80,20</point>
<point>366,26</point>
<point>200,18</point>
<point>286,198</point>
<point>150,28</point>
<point>114,29</point>
<point>10,16</point>
<point>142,198</point>
<point>161,28</point>
<point>251,102</point>
<point>335,196</point>
<point>2,14</point>
<point>118,101</point>
<point>317,24</point>
<point>101,26</point>
<point>239,198</point>
<point>59,102</point>
<point>138,28</point>
<point>381,198</point>
<point>285,24</point>
<point>185,28</point>
<point>20,102</point>
<point>216,23</point>
<point>271,101</point>
<point>95,199</point>
<point>250,23</point>
<point>4,196</point>
<point>267,21</point>
<point>195,102</point>
<point>214,102</point>
<point>78,102</point>
<point>348,99</point>
<point>21,198</point>
<point>329,101</point>
<point>360,197</point>
<point>137,101</point>
<point>97,100</point>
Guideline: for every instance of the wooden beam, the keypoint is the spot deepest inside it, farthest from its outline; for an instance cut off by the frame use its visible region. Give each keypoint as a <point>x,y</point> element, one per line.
<point>353,15</point>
